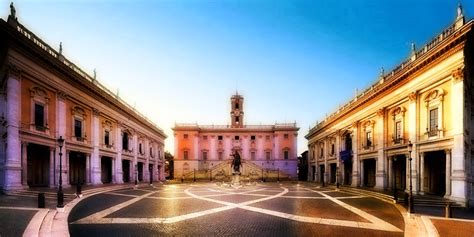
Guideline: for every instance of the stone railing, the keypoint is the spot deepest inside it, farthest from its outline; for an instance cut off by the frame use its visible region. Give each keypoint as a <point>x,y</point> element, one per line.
<point>48,49</point>
<point>388,77</point>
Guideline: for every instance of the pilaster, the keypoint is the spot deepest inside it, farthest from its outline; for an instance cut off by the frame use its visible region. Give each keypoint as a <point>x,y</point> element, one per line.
<point>12,165</point>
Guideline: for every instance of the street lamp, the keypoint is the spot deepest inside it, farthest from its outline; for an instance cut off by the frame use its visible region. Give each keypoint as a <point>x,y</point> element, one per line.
<point>410,195</point>
<point>60,194</point>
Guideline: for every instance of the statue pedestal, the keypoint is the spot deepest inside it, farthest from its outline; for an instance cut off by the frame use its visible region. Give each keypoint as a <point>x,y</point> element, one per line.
<point>235,179</point>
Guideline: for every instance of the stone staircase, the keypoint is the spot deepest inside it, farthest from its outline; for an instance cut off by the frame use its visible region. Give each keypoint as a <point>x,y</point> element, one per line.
<point>419,200</point>
<point>249,172</point>
<point>365,192</point>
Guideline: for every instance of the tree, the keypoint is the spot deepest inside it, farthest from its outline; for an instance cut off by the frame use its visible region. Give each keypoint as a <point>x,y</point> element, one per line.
<point>169,165</point>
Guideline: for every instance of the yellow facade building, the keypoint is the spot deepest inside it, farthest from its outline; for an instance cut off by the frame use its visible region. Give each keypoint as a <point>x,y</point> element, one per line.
<point>426,101</point>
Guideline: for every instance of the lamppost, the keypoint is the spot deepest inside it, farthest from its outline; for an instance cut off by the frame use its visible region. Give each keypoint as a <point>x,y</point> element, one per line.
<point>263,180</point>
<point>410,195</point>
<point>60,189</point>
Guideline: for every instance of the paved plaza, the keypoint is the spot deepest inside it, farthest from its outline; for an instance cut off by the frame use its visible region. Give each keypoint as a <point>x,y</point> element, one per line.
<point>263,209</point>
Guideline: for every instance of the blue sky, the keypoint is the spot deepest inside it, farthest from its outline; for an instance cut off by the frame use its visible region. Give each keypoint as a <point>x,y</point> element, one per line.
<point>180,61</point>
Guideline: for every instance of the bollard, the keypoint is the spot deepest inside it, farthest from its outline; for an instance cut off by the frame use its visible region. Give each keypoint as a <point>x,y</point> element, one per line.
<point>41,200</point>
<point>448,211</point>
<point>78,190</point>
<point>337,185</point>
<point>405,199</point>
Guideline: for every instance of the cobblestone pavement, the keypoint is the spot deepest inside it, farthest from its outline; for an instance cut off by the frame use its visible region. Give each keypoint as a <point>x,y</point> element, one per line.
<point>208,209</point>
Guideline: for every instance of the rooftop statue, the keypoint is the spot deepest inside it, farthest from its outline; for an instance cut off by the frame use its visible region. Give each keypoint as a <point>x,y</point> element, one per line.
<point>12,11</point>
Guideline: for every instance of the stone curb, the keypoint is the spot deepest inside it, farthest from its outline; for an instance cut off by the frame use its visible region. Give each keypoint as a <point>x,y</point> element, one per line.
<point>53,222</point>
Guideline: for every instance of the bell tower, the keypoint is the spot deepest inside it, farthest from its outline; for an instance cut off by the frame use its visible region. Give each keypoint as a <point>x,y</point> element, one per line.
<point>237,111</point>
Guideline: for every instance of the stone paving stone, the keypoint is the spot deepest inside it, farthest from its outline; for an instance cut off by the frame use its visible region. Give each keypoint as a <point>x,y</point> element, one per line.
<point>240,222</point>
<point>310,207</point>
<point>235,222</point>
<point>95,204</point>
<point>135,192</point>
<point>169,194</point>
<point>303,194</point>
<point>269,193</point>
<point>339,194</point>
<point>447,228</point>
<point>236,198</point>
<point>378,208</point>
<point>14,222</point>
<point>151,208</point>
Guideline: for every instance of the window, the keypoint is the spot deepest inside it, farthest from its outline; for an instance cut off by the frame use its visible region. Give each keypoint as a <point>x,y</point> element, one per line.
<point>204,137</point>
<point>398,131</point>
<point>140,148</point>
<point>106,138</point>
<point>267,137</point>
<point>204,155</point>
<point>219,138</point>
<point>125,141</point>
<point>321,150</point>
<point>185,155</point>
<point>285,155</point>
<point>237,119</point>
<point>237,106</point>
<point>39,117</point>
<point>252,137</point>
<point>285,135</point>
<point>237,138</point>
<point>433,122</point>
<point>267,155</point>
<point>77,128</point>
<point>252,155</point>
<point>220,155</point>
<point>368,136</point>
<point>185,136</point>
<point>332,149</point>
<point>151,151</point>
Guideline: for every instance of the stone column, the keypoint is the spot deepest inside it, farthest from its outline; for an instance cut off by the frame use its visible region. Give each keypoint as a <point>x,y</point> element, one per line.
<point>390,172</point>
<point>52,154</point>
<point>146,169</point>
<point>459,153</point>
<point>24,164</point>
<point>212,147</point>
<point>422,173</point>
<point>355,156</point>
<point>61,130</point>
<point>276,148</point>
<point>380,174</point>
<point>135,157</point>
<point>413,126</point>
<point>96,141</point>
<point>88,168</point>
<point>448,173</point>
<point>118,157</point>
<point>362,173</point>
<point>12,165</point>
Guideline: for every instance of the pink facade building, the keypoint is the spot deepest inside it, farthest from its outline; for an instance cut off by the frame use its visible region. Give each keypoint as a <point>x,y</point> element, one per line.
<point>267,151</point>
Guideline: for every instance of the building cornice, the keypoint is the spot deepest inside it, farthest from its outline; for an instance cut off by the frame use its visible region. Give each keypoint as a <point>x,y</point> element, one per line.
<point>442,46</point>
<point>20,38</point>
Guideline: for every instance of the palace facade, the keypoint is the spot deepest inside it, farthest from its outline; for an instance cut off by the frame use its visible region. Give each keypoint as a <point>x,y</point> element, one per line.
<point>264,149</point>
<point>427,101</point>
<point>44,96</point>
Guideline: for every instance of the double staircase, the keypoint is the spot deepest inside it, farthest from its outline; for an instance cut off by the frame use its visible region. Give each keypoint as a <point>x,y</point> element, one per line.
<point>249,172</point>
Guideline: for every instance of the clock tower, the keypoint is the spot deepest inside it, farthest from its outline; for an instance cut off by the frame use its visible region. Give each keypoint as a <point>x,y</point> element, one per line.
<point>237,111</point>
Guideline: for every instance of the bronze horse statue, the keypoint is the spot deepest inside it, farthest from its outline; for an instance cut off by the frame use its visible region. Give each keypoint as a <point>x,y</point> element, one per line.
<point>236,163</point>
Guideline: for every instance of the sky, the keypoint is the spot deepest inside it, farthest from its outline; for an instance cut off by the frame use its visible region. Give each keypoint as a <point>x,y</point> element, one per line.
<point>179,61</point>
